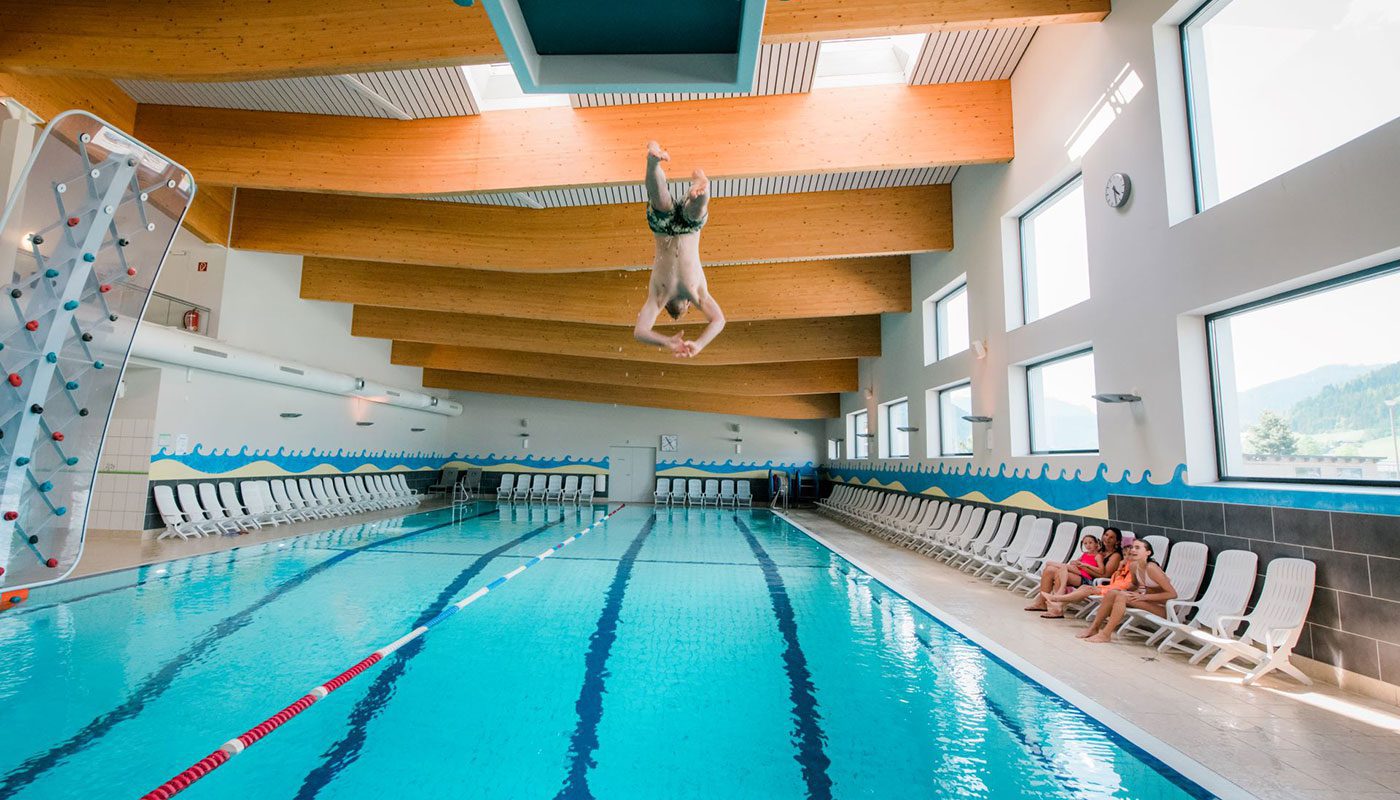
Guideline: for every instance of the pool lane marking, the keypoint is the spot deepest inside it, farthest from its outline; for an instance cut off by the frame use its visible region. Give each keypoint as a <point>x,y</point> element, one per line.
<point>156,683</point>
<point>346,750</point>
<point>589,705</point>
<point>250,737</point>
<point>811,740</point>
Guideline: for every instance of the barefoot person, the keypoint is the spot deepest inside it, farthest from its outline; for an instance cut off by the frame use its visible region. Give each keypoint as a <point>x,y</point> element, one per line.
<point>1099,558</point>
<point>677,279</point>
<point>1150,591</point>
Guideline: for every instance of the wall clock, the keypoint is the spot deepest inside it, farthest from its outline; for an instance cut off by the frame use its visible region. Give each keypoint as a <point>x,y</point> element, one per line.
<point>670,442</point>
<point>1116,191</point>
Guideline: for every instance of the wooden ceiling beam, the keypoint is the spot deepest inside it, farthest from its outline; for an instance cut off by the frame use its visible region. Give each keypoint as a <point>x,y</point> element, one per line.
<point>807,406</point>
<point>741,342</point>
<point>756,380</point>
<point>785,290</point>
<point>842,130</point>
<point>861,222</point>
<point>240,40</point>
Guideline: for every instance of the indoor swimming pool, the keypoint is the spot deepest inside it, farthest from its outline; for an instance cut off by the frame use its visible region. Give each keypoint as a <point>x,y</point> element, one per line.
<point>668,653</point>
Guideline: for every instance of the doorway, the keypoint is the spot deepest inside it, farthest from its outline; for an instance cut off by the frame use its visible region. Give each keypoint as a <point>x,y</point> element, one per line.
<point>631,473</point>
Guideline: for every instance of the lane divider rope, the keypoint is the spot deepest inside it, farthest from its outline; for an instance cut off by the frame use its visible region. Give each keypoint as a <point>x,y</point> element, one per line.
<point>238,744</point>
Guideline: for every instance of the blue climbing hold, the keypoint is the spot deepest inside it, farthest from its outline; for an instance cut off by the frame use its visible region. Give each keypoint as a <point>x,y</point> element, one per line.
<point>50,273</point>
<point>45,486</point>
<point>89,257</point>
<point>71,461</point>
<point>60,511</point>
<point>98,365</point>
<point>70,305</point>
<point>71,385</point>
<point>52,358</point>
<point>21,461</point>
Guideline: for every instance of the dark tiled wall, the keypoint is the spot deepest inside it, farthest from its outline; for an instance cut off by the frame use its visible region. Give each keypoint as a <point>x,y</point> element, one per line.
<point>1355,618</point>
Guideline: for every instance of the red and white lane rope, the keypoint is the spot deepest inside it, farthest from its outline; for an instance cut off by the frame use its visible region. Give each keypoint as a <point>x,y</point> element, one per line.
<point>238,744</point>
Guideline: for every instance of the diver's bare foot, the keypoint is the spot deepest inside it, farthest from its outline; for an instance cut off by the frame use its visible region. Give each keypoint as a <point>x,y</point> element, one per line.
<point>699,185</point>
<point>1086,634</point>
<point>655,153</point>
<point>1100,638</point>
<point>1036,606</point>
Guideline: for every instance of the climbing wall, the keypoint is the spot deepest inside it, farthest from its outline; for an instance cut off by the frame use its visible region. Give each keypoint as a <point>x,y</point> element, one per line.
<point>93,209</point>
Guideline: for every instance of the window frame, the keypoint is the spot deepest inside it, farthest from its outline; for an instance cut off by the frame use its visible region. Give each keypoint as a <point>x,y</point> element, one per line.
<point>1050,197</point>
<point>1206,9</point>
<point>858,442</point>
<point>1212,362</point>
<point>1030,405</point>
<point>887,430</point>
<point>943,435</point>
<point>958,287</point>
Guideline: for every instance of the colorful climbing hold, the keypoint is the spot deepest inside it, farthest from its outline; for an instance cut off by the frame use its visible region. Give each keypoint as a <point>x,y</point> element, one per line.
<point>11,516</point>
<point>50,273</point>
<point>70,305</point>
<point>89,257</point>
<point>105,288</point>
<point>58,436</point>
<point>87,337</point>
<point>52,358</point>
<point>73,222</point>
<point>98,365</point>
<point>60,511</point>
<point>33,539</point>
<point>123,242</point>
<point>82,412</point>
<point>21,461</point>
<point>15,379</point>
<point>131,271</point>
<point>37,239</point>
<point>32,325</point>
<point>112,317</point>
<point>16,294</point>
<point>53,562</point>
<point>71,461</point>
<point>36,408</point>
<point>71,385</point>
<point>46,486</point>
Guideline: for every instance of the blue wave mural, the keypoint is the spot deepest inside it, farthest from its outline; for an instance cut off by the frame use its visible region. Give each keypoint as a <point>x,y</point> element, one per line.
<point>729,469</point>
<point>1075,492</point>
<point>217,462</point>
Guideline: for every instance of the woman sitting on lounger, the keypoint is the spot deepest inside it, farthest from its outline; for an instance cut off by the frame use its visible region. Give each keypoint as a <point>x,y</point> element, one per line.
<point>1150,591</point>
<point>1100,559</point>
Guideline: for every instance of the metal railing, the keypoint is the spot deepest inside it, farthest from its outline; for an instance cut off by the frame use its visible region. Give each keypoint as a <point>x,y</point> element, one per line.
<point>164,309</point>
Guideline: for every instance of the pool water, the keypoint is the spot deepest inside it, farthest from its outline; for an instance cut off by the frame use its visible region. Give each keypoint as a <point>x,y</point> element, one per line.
<point>667,654</point>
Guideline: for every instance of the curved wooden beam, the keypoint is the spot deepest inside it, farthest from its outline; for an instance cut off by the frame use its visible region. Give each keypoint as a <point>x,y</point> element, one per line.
<point>843,130</point>
<point>806,406</point>
<point>784,227</point>
<point>741,342</point>
<point>785,290</point>
<point>50,96</point>
<point>796,377</point>
<point>239,40</point>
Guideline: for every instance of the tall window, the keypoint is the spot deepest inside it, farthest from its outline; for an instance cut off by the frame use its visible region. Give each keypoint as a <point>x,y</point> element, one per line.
<point>833,449</point>
<point>858,434</point>
<point>1055,252</point>
<point>1276,83</point>
<point>1064,417</point>
<point>946,322</point>
<point>954,432</point>
<point>894,436</point>
<point>1307,384</point>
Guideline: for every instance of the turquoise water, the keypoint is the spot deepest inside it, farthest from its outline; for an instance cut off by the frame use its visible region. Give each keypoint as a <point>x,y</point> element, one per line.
<point>667,654</point>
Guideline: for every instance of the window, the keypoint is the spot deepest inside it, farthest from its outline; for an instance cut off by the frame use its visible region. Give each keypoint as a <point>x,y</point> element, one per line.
<point>858,434</point>
<point>1351,473</point>
<point>954,432</point>
<point>1273,84</point>
<point>1055,252</point>
<point>1313,373</point>
<point>868,61</point>
<point>894,420</point>
<point>496,88</point>
<point>833,449</point>
<point>946,322</point>
<point>1308,472</point>
<point>1063,416</point>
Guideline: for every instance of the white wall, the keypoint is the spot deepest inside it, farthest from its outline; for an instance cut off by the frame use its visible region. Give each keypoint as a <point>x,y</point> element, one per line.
<point>1150,280</point>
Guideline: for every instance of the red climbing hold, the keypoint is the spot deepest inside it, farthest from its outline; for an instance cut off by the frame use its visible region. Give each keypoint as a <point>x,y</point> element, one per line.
<point>104,288</point>
<point>58,436</point>
<point>15,379</point>
<point>32,325</point>
<point>73,222</point>
<point>51,563</point>
<point>131,271</point>
<point>11,515</point>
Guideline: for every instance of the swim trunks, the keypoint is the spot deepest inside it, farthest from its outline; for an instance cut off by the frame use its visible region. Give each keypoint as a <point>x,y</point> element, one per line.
<point>673,222</point>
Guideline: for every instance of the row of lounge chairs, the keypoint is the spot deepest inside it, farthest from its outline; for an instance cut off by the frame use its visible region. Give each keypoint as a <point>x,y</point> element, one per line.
<point>717,493</point>
<point>191,510</point>
<point>543,488</point>
<point>1012,550</point>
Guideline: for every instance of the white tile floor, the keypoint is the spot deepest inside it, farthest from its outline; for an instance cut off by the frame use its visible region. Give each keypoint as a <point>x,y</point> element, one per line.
<point>1274,740</point>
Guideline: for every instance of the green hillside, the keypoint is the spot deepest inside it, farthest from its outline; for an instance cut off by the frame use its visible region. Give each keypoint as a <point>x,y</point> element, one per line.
<point>1357,405</point>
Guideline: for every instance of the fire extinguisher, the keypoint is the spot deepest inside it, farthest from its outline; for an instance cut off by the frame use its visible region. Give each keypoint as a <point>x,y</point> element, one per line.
<point>191,320</point>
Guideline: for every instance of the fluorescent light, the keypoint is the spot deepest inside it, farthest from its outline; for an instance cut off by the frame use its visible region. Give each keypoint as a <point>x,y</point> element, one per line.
<point>496,88</point>
<point>867,62</point>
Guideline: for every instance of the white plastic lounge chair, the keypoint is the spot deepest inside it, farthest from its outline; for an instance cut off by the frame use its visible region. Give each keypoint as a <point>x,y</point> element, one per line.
<point>1027,572</point>
<point>570,493</point>
<point>711,495</point>
<point>1187,568</point>
<point>1023,551</point>
<point>662,495</point>
<point>177,522</point>
<point>970,518</point>
<point>949,547</point>
<point>189,503</point>
<point>412,494</point>
<point>692,492</point>
<point>993,548</point>
<point>522,487</point>
<point>1270,631</point>
<point>1231,585</point>
<point>726,494</point>
<point>284,502</point>
<point>328,501</point>
<point>307,505</point>
<point>257,499</point>
<point>554,488</point>
<point>585,491</point>
<point>743,498</point>
<point>209,500</point>
<point>506,491</point>
<point>538,484</point>
<point>937,524</point>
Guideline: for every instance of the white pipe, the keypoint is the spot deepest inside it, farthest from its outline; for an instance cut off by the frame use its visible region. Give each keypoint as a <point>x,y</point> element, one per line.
<point>174,346</point>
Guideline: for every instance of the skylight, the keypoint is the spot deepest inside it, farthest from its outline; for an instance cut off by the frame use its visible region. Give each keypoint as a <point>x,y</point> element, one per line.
<point>867,62</point>
<point>497,89</point>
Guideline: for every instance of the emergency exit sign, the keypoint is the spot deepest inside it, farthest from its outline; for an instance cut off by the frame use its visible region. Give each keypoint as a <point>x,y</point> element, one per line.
<point>203,267</point>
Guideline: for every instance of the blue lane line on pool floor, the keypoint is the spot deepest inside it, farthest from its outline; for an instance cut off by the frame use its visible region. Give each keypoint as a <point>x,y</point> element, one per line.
<point>155,684</point>
<point>347,749</point>
<point>811,741</point>
<point>681,562</point>
<point>590,698</point>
